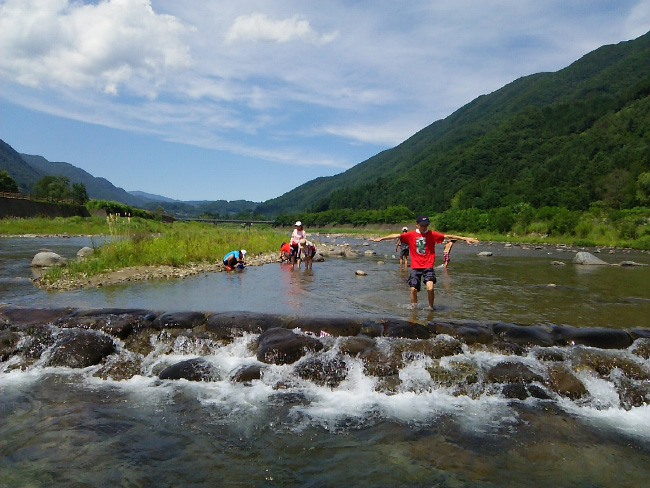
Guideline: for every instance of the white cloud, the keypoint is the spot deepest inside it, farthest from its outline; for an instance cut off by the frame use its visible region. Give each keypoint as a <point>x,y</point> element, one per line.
<point>107,45</point>
<point>267,81</point>
<point>258,27</point>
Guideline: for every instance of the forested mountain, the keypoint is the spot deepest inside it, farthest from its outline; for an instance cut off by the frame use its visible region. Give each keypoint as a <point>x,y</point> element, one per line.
<point>567,139</point>
<point>24,175</point>
<point>98,188</point>
<point>26,170</point>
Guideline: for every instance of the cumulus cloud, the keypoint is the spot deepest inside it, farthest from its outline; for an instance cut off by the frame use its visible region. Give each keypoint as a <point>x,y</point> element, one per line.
<point>107,45</point>
<point>259,27</point>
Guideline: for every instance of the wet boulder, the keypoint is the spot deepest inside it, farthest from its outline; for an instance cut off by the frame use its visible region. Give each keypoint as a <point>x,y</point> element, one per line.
<point>226,325</point>
<point>79,348</point>
<point>120,367</point>
<point>27,316</point>
<point>523,335</point>
<point>511,372</point>
<point>562,381</point>
<point>639,333</point>
<point>410,330</point>
<point>641,348</point>
<point>454,374</point>
<point>246,374</point>
<point>8,344</point>
<point>197,369</point>
<point>323,372</point>
<point>283,346</point>
<point>356,346</point>
<point>468,332</point>
<point>334,326</point>
<point>604,362</point>
<point>381,364</point>
<point>591,336</point>
<point>588,259</point>
<point>372,329</point>
<point>120,326</point>
<point>514,391</point>
<point>521,391</point>
<point>436,348</point>
<point>179,320</point>
<point>46,259</point>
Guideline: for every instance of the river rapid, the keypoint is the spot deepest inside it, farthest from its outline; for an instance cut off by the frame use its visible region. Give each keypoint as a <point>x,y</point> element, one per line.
<point>445,420</point>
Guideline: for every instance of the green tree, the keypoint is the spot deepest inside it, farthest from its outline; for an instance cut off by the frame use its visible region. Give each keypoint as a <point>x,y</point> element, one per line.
<point>53,187</point>
<point>643,188</point>
<point>7,183</point>
<point>79,193</point>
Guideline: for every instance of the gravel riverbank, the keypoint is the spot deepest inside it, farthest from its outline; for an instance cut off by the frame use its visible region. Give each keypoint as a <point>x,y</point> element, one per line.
<point>144,273</point>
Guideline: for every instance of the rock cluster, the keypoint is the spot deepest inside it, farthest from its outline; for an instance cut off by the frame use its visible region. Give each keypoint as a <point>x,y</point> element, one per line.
<point>116,343</point>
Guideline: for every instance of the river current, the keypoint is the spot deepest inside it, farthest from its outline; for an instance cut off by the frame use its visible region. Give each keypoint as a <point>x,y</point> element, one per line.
<point>68,427</point>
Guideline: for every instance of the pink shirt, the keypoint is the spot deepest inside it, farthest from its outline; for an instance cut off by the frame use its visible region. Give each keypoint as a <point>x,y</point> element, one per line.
<point>296,235</point>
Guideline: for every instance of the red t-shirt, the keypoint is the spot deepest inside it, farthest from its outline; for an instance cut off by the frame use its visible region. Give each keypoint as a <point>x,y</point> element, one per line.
<point>286,247</point>
<point>422,247</point>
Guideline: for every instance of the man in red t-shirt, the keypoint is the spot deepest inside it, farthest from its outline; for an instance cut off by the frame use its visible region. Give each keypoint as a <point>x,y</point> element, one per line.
<point>422,243</point>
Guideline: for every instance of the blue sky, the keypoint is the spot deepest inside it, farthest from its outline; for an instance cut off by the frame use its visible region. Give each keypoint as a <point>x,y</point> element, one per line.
<point>211,99</point>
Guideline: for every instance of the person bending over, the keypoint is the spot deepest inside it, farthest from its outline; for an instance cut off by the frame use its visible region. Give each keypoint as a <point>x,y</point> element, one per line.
<point>308,251</point>
<point>235,259</point>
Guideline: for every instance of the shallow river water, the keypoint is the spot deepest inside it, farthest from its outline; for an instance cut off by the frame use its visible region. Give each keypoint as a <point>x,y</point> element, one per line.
<point>67,427</point>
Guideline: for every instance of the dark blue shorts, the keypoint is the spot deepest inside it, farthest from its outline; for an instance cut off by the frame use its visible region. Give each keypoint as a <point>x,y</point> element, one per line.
<point>403,252</point>
<point>416,275</point>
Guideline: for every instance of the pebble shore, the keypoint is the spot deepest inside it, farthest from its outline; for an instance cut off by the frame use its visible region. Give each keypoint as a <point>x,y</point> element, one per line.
<point>145,273</point>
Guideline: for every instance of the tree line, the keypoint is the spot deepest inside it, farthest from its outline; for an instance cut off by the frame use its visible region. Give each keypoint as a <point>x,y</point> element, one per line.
<point>48,188</point>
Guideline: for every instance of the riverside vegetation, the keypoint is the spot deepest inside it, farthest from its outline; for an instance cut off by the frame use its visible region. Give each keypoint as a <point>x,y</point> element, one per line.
<point>598,226</point>
<point>136,242</point>
<point>130,242</point>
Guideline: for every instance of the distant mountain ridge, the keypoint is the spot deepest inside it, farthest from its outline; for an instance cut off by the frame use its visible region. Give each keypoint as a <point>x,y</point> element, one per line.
<point>27,169</point>
<point>566,138</point>
<point>150,196</point>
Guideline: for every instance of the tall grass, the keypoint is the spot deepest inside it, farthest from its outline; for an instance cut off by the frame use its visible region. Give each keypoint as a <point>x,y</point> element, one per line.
<point>77,226</point>
<point>178,245</point>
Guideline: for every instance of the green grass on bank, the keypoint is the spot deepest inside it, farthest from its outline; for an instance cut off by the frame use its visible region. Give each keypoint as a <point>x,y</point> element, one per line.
<point>79,226</point>
<point>141,242</point>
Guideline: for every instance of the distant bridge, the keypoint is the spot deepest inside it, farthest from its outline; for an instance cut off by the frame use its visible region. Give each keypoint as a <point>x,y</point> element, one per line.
<point>224,221</point>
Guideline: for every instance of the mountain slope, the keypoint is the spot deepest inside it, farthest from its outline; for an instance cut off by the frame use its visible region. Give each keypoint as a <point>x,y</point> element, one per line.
<point>560,134</point>
<point>96,187</point>
<point>24,175</point>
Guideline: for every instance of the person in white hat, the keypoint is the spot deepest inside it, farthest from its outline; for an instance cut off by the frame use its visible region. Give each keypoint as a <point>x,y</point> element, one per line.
<point>297,234</point>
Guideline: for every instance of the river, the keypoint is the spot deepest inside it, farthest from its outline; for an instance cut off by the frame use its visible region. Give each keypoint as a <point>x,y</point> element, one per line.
<point>67,427</point>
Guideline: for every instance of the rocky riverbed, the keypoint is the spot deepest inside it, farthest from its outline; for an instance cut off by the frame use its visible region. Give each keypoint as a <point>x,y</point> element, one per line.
<point>543,362</point>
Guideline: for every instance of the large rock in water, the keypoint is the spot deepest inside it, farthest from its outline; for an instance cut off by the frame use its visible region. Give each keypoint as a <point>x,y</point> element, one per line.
<point>588,259</point>
<point>197,369</point>
<point>282,346</point>
<point>80,348</point>
<point>45,259</point>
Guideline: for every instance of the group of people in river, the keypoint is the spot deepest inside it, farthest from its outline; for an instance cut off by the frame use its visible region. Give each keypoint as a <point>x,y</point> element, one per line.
<point>417,245</point>
<point>298,249</point>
